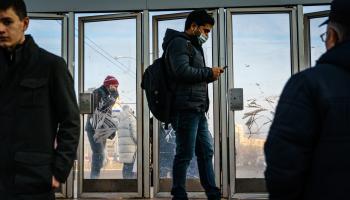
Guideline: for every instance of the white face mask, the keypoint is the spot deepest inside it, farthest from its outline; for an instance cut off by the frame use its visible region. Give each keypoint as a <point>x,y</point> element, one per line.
<point>202,39</point>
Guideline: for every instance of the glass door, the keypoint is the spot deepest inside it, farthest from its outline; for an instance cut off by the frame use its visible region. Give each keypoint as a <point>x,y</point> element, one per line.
<point>164,140</point>
<point>262,55</point>
<point>110,167</point>
<point>49,31</point>
<point>314,46</point>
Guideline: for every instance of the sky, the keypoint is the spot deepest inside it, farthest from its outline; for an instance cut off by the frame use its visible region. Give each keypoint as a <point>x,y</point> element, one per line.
<point>262,62</point>
<point>261,55</point>
<point>49,38</point>
<point>118,56</point>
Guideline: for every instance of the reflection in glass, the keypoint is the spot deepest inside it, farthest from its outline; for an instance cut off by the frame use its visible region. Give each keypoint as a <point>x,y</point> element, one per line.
<point>317,46</point>
<point>167,147</point>
<point>112,53</point>
<point>262,65</point>
<point>167,152</point>
<point>47,34</point>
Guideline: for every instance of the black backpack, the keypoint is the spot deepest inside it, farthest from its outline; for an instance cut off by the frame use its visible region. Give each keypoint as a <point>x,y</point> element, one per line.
<point>159,88</point>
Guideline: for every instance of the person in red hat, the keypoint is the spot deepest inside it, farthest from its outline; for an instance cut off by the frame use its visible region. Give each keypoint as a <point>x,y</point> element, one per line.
<point>111,83</point>
<point>104,98</point>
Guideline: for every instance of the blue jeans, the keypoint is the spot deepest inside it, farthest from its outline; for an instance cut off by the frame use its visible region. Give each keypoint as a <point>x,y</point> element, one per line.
<point>127,171</point>
<point>98,152</point>
<point>193,136</point>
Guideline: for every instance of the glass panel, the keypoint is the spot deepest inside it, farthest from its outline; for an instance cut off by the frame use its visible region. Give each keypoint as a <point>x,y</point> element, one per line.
<point>167,151</point>
<point>176,24</point>
<point>262,65</point>
<point>317,46</point>
<point>47,34</point>
<point>76,35</point>
<point>311,9</point>
<point>158,13</point>
<point>111,53</point>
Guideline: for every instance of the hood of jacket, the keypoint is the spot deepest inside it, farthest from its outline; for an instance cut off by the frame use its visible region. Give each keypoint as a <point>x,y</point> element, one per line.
<point>170,34</point>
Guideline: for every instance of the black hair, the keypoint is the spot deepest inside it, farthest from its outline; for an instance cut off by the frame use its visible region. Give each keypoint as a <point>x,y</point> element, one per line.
<point>199,17</point>
<point>18,6</point>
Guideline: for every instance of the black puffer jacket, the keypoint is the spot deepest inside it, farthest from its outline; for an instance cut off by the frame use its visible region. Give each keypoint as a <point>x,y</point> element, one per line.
<point>186,66</point>
<point>308,146</point>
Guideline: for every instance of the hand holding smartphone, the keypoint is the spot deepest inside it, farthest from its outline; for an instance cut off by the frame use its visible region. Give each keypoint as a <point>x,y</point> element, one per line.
<point>223,69</point>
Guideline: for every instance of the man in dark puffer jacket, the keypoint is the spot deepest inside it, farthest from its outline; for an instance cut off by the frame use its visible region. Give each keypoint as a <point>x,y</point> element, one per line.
<point>309,141</point>
<point>186,67</point>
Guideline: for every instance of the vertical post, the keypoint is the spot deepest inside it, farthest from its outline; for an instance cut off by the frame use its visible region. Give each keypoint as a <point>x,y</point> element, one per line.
<point>301,38</point>
<point>223,109</point>
<point>70,61</point>
<point>146,133</point>
<point>139,101</point>
<point>216,102</point>
<point>295,44</point>
<point>81,90</point>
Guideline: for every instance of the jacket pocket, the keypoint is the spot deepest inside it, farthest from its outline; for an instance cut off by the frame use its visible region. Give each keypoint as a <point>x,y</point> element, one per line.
<point>33,92</point>
<point>33,174</point>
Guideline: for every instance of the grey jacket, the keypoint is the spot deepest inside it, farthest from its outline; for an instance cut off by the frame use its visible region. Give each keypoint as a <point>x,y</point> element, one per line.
<point>186,67</point>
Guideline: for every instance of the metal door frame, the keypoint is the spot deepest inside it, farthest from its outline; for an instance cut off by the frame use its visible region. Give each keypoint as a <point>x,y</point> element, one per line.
<point>66,191</point>
<point>146,115</point>
<point>216,105</point>
<point>292,11</point>
<point>139,107</point>
<point>307,45</point>
<point>64,33</point>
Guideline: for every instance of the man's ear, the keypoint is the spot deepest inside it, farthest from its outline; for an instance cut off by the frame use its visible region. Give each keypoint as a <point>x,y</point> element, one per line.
<point>332,38</point>
<point>25,23</point>
<point>333,35</point>
<point>193,26</point>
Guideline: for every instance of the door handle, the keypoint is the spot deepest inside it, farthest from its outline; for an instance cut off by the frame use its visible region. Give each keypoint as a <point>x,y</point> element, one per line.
<point>86,103</point>
<point>236,99</point>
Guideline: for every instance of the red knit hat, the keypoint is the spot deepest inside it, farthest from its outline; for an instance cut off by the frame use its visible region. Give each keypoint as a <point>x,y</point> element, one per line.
<point>110,80</point>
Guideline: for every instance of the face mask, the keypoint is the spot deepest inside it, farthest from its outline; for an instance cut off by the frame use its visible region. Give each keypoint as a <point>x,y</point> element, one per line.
<point>112,89</point>
<point>202,39</point>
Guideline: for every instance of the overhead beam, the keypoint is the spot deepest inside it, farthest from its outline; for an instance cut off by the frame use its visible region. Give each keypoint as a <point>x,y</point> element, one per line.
<point>58,6</point>
<point>183,4</point>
